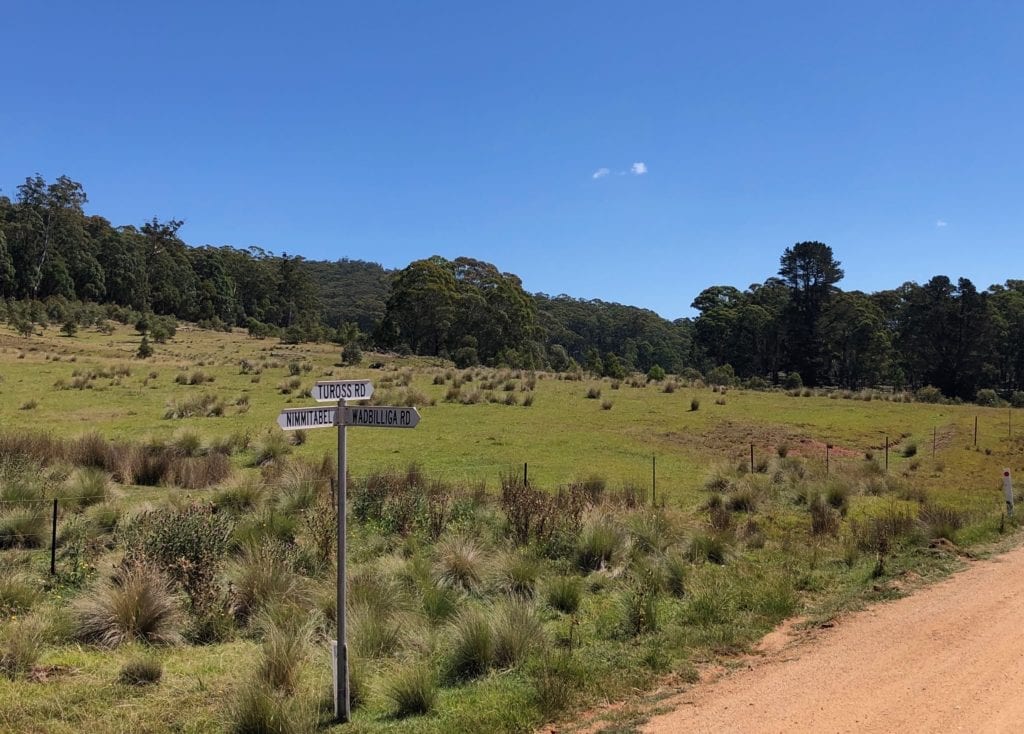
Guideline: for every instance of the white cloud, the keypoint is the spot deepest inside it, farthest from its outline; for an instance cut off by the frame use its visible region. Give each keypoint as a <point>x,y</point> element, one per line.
<point>638,169</point>
<point>600,173</point>
<point>940,223</point>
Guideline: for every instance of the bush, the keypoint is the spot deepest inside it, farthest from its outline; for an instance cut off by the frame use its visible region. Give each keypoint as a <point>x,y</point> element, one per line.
<point>137,604</point>
<point>141,672</point>
<point>411,689</point>
<point>723,375</point>
<point>1017,399</point>
<point>792,381</point>
<point>987,397</point>
<point>351,354</point>
<point>564,593</point>
<point>656,373</point>
<point>145,350</point>
<point>928,394</point>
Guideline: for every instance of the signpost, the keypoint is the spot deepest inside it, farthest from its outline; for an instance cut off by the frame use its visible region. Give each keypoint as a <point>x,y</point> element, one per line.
<point>377,416</point>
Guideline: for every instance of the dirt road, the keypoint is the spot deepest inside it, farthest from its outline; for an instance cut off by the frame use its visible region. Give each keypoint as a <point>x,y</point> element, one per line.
<point>948,658</point>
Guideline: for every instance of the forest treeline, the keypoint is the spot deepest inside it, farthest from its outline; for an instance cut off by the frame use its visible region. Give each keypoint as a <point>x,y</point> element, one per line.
<point>798,324</point>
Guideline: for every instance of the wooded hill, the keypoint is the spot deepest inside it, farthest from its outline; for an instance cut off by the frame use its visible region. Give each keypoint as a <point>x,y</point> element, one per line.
<point>54,258</point>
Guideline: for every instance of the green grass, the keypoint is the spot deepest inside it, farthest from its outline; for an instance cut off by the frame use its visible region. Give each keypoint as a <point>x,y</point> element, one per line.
<point>454,627</point>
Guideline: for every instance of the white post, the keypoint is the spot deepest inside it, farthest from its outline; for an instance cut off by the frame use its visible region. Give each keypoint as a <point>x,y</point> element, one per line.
<point>342,710</point>
<point>1008,491</point>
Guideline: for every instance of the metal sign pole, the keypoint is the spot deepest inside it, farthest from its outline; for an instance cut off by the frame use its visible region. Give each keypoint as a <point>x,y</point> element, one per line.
<point>342,711</point>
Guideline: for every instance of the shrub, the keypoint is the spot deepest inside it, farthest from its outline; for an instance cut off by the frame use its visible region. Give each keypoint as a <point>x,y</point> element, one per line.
<point>411,689</point>
<point>137,604</point>
<point>351,354</point>
<point>472,645</point>
<point>792,381</point>
<point>928,394</point>
<point>656,373</point>
<point>987,397</point>
<point>141,672</point>
<point>517,632</point>
<point>723,375</point>
<point>145,350</point>
<point>564,593</point>
<point>1017,399</point>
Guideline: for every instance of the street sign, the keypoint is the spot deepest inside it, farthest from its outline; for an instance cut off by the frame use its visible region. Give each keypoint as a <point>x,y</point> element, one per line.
<point>292,419</point>
<point>331,391</point>
<point>382,416</point>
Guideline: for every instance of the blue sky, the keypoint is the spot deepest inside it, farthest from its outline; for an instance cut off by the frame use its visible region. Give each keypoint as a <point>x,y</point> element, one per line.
<point>392,131</point>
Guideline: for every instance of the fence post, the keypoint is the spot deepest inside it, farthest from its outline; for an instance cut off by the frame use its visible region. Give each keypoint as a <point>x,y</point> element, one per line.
<point>935,431</point>
<point>975,430</point>
<point>887,453</point>
<point>654,481</point>
<point>53,540</point>
<point>751,458</point>
<point>526,474</point>
<point>828,449</point>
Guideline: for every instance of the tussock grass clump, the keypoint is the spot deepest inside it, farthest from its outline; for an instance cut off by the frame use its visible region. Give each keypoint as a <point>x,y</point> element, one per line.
<point>593,393</point>
<point>136,604</point>
<point>239,498</point>
<point>271,446</point>
<point>411,689</point>
<point>709,547</point>
<point>471,650</point>
<point>517,632</point>
<point>373,634</point>
<point>85,486</point>
<point>516,573</point>
<point>262,576</point>
<point>910,449</point>
<point>207,405</point>
<point>694,405</point>
<point>742,499</point>
<point>564,593</point>
<point>676,570</point>
<point>21,644</point>
<point>22,525</point>
<point>460,563</point>
<point>600,541</point>
<point>653,531</point>
<point>825,519</point>
<point>942,521</point>
<point>287,636</point>
<point>17,592</point>
<point>259,709</point>
<point>187,442</point>
<point>142,671</point>
<point>557,678</point>
<point>639,605</point>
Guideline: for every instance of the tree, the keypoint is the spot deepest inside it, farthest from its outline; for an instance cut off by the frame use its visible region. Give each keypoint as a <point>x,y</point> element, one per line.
<point>810,271</point>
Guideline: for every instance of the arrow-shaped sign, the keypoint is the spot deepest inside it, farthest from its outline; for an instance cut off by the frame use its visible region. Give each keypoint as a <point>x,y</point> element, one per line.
<point>331,391</point>
<point>378,416</point>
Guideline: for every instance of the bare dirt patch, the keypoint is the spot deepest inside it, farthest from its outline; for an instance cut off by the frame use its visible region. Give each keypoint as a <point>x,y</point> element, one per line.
<point>948,658</point>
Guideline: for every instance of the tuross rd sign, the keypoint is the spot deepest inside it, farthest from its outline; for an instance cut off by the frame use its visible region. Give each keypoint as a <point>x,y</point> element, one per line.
<point>382,416</point>
<point>331,391</point>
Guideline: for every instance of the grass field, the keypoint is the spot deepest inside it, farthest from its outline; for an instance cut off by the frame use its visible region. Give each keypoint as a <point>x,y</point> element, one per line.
<point>477,603</point>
